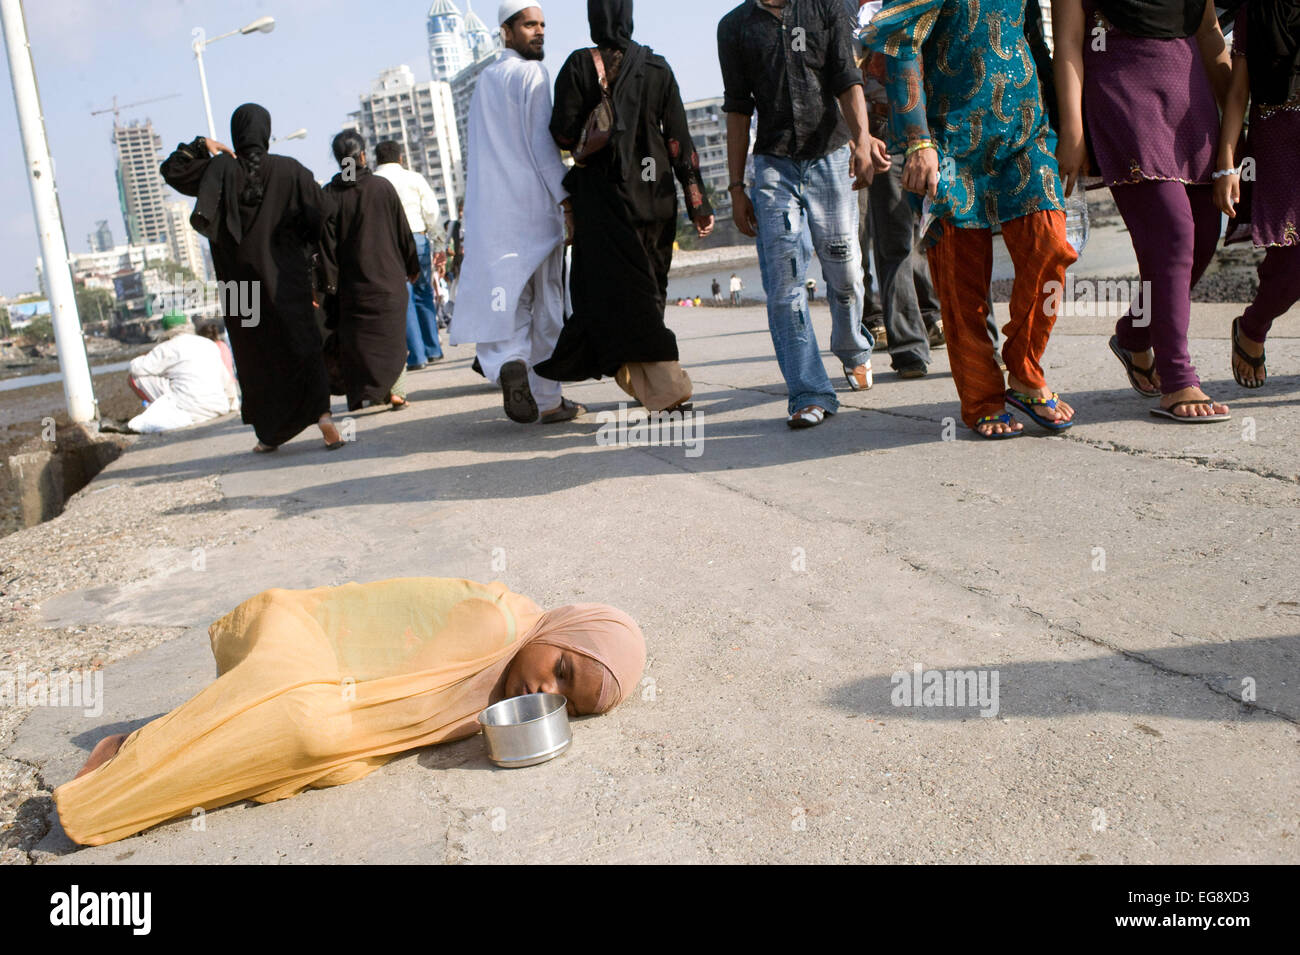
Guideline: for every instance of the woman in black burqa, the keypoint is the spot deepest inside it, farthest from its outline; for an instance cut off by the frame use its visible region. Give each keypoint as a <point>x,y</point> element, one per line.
<point>262,217</point>
<point>625,214</point>
<point>369,255</point>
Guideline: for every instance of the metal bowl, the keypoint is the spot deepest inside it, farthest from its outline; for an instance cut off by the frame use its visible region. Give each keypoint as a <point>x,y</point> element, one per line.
<point>526,730</point>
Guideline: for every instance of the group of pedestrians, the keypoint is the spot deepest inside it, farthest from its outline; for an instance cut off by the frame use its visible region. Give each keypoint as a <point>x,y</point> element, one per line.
<point>951,121</point>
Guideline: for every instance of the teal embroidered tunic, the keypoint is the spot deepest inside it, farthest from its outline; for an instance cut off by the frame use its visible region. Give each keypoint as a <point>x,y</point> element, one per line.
<point>960,72</point>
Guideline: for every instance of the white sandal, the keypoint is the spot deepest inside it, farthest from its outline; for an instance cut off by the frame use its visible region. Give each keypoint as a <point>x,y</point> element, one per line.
<point>808,417</point>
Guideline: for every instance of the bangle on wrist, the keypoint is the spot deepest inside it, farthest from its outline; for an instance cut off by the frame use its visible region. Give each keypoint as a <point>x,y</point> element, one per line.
<point>920,144</point>
<point>1219,174</point>
<point>736,185</point>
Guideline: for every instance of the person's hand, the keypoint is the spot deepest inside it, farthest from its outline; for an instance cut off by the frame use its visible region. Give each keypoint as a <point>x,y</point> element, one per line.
<point>704,226</point>
<point>742,213</point>
<point>1227,193</point>
<point>921,172</point>
<point>439,259</point>
<point>215,147</point>
<point>880,155</point>
<point>1071,158</point>
<point>569,227</point>
<point>862,161</point>
<point>413,278</point>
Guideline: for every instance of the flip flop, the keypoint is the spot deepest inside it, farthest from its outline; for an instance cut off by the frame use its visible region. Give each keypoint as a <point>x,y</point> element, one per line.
<point>516,395</point>
<point>1251,360</point>
<point>1190,419</point>
<point>1004,418</point>
<point>1132,370</point>
<point>1026,404</point>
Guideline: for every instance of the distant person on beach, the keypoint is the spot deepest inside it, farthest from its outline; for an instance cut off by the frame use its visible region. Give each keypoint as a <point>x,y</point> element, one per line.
<point>717,293</point>
<point>1001,174</point>
<point>262,216</point>
<point>316,688</point>
<point>510,300</point>
<point>184,379</point>
<point>369,257</point>
<point>737,286</point>
<point>1151,76</point>
<point>812,150</point>
<point>1265,71</point>
<point>626,220</point>
<point>213,332</point>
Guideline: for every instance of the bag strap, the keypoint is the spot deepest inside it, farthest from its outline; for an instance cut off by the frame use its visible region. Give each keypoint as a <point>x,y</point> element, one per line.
<point>600,68</point>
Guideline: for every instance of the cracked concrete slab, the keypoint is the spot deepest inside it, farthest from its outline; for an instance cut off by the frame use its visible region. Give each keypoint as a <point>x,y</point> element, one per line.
<point>1128,581</point>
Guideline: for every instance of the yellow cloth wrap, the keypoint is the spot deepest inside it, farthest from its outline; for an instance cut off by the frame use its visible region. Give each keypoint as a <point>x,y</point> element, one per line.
<point>315,688</point>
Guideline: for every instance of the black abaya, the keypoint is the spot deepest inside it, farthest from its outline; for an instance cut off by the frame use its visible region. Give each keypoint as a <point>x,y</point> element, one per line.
<point>368,251</point>
<point>276,346</point>
<point>624,207</point>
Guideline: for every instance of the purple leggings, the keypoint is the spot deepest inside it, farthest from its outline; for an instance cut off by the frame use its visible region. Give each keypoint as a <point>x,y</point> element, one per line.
<point>1175,228</point>
<point>1279,289</point>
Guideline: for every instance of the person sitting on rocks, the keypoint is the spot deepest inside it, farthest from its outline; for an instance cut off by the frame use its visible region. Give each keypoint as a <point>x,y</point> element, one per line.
<point>321,687</point>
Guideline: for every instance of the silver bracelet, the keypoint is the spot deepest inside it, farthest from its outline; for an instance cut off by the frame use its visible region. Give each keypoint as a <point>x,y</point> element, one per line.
<point>1226,172</point>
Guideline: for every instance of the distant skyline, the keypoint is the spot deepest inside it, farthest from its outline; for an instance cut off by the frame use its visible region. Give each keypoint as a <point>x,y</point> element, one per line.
<point>309,73</point>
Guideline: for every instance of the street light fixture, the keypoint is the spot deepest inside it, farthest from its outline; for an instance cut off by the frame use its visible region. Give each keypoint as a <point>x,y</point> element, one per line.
<point>202,41</point>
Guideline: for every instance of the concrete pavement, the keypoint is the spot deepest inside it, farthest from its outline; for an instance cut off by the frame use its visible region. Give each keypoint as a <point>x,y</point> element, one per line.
<point>1127,581</point>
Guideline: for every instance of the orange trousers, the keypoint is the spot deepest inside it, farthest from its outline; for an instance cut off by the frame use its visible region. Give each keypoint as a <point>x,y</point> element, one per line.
<point>961,267</point>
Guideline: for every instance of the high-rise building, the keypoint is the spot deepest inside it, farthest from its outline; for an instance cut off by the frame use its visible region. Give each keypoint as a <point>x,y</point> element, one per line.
<point>449,50</point>
<point>139,184</point>
<point>186,247</point>
<point>422,117</point>
<point>484,46</point>
<point>708,127</point>
<point>101,240</point>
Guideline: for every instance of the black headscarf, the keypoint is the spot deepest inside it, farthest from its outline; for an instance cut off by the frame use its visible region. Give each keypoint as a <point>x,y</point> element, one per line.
<point>611,29</point>
<point>1273,50</point>
<point>1162,19</point>
<point>232,188</point>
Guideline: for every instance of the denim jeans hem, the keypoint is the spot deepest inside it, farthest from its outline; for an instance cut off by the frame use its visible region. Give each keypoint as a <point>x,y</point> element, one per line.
<point>829,402</point>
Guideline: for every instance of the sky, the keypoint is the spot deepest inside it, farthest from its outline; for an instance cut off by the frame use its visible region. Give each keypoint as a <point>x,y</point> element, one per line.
<point>309,72</point>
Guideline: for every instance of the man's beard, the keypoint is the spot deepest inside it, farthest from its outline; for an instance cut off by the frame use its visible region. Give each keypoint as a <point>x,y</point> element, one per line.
<point>531,52</point>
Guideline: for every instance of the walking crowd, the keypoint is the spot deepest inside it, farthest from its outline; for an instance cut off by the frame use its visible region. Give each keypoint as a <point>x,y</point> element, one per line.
<point>951,120</point>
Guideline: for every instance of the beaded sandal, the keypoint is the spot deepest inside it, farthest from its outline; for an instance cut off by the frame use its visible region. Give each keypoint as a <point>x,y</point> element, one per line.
<point>1027,403</point>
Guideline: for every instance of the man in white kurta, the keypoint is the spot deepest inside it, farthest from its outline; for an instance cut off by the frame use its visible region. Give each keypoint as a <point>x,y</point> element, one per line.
<point>510,302</point>
<point>184,380</point>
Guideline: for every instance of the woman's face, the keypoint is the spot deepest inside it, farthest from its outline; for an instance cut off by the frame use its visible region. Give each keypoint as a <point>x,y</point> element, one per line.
<point>540,668</point>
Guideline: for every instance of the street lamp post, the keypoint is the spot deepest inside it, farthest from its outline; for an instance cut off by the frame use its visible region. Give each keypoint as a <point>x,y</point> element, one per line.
<point>202,42</point>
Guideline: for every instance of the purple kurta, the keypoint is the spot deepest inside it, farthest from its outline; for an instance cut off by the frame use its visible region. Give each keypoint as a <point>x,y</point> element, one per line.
<point>1274,143</point>
<point>1148,104</point>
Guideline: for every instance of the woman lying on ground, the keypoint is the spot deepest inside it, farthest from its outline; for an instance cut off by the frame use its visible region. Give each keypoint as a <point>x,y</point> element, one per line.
<point>321,687</point>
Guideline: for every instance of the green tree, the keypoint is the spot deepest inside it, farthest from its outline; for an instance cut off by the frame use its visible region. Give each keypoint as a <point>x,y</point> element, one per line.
<point>169,269</point>
<point>94,304</point>
<point>40,331</point>
<point>5,328</point>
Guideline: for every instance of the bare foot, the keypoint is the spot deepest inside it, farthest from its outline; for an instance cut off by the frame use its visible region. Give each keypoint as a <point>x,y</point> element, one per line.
<point>104,750</point>
<point>327,429</point>
<point>1062,411</point>
<point>1145,369</point>
<point>1250,376</point>
<point>1191,411</point>
<point>988,428</point>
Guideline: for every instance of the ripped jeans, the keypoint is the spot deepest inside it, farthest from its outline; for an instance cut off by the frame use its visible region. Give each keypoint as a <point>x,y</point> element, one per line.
<point>802,205</point>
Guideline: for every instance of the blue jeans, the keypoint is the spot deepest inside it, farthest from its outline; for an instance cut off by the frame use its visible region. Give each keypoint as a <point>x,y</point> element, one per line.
<point>802,205</point>
<point>422,311</point>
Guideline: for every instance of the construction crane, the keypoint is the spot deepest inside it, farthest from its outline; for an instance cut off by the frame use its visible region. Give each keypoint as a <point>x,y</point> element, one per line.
<point>115,109</point>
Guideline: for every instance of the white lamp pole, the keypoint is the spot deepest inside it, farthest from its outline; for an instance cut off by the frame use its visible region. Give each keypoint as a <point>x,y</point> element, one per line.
<point>202,42</point>
<point>49,223</point>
